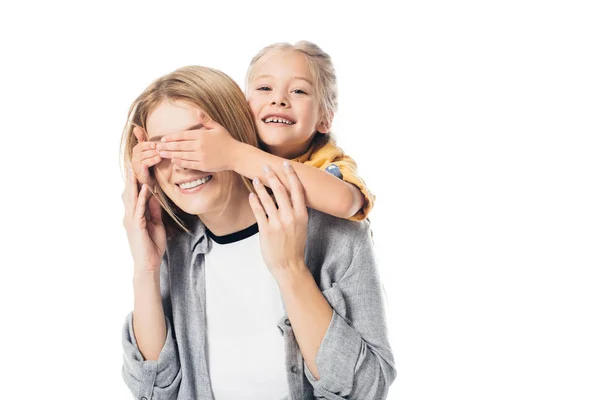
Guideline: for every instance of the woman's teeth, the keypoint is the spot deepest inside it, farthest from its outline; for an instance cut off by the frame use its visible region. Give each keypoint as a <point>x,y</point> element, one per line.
<point>280,120</point>
<point>197,182</point>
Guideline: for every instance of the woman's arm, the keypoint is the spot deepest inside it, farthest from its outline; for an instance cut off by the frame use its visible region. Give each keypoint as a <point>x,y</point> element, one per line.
<point>342,333</point>
<point>308,311</point>
<point>148,316</point>
<point>151,368</point>
<point>355,360</point>
<point>323,191</point>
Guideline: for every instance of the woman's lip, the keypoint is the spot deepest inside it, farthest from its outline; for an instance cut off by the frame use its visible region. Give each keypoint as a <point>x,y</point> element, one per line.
<point>191,180</point>
<point>193,190</point>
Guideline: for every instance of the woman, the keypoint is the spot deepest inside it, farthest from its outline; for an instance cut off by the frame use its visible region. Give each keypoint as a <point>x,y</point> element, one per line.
<point>211,321</point>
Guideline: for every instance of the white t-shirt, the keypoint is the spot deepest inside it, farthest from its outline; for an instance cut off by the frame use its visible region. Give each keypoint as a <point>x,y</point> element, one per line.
<point>246,358</point>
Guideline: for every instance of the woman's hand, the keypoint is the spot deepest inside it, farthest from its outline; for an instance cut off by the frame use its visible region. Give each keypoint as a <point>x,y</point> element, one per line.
<point>145,230</point>
<point>283,226</point>
<point>209,148</point>
<point>143,157</point>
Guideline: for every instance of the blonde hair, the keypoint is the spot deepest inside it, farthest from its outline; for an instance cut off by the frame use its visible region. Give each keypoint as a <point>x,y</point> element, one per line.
<point>211,90</point>
<point>321,68</point>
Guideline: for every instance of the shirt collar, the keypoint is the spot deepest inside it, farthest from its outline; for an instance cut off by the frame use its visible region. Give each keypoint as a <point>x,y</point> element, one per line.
<point>198,239</point>
<point>317,142</point>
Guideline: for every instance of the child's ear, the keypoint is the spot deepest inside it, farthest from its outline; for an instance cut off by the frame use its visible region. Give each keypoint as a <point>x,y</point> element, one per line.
<point>325,125</point>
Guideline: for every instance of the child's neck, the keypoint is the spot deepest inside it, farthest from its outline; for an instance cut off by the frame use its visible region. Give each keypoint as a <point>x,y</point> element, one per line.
<point>292,151</point>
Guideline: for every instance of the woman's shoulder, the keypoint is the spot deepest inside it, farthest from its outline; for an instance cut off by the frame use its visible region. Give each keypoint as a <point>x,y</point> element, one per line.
<point>321,225</point>
<point>332,245</point>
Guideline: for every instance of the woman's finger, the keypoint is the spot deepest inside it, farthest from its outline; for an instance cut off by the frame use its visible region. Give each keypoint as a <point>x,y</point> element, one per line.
<point>259,212</point>
<point>140,208</point>
<point>131,191</point>
<point>266,200</point>
<point>296,188</point>
<point>144,154</point>
<point>143,146</point>
<point>281,195</point>
<point>155,211</point>
<point>139,133</point>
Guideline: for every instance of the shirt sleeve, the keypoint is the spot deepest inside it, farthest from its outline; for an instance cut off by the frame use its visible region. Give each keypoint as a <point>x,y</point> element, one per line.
<point>355,359</point>
<point>332,159</point>
<point>150,380</point>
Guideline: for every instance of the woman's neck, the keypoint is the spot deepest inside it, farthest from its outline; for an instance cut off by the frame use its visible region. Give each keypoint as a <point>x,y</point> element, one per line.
<point>236,216</point>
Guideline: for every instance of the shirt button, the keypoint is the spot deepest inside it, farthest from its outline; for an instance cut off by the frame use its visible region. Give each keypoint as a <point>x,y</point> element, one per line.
<point>295,369</point>
<point>288,323</point>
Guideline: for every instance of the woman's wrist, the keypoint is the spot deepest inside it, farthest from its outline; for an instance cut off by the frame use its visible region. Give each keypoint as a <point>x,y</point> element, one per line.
<point>292,275</point>
<point>144,277</point>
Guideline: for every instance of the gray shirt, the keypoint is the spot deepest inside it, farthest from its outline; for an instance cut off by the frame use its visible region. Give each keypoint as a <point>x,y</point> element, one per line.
<point>355,360</point>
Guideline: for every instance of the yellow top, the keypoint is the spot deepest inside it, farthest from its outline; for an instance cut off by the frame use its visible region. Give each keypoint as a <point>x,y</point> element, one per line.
<point>327,156</point>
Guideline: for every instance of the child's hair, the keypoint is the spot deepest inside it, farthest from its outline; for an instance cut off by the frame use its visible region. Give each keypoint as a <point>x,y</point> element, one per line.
<point>211,90</point>
<point>321,68</point>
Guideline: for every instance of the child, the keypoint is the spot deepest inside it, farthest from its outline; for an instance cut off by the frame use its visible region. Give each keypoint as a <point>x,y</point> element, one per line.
<point>292,92</point>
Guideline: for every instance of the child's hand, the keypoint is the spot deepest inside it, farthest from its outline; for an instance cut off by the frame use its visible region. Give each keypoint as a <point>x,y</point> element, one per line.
<point>283,233</point>
<point>143,223</point>
<point>143,157</point>
<point>209,148</point>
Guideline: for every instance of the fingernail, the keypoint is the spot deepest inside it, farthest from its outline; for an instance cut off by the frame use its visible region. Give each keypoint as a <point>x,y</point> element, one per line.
<point>256,181</point>
<point>266,169</point>
<point>163,154</point>
<point>163,139</point>
<point>286,165</point>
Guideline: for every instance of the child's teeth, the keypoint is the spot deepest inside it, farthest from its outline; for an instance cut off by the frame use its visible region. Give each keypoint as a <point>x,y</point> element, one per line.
<point>280,120</point>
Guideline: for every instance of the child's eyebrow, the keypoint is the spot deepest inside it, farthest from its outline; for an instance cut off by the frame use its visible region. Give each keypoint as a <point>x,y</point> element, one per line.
<point>301,78</point>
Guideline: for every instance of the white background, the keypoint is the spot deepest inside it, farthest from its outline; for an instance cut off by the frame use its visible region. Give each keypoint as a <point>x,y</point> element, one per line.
<point>476,123</point>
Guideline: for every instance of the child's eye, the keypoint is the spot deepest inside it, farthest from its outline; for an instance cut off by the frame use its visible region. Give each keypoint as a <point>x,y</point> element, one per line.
<point>298,91</point>
<point>263,88</point>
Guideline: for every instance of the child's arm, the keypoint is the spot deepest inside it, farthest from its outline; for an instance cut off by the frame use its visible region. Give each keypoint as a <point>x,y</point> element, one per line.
<point>324,191</point>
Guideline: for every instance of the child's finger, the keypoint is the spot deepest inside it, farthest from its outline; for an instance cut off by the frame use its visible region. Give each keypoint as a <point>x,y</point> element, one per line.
<point>296,188</point>
<point>184,145</point>
<point>206,121</point>
<point>266,200</point>
<point>182,155</point>
<point>179,136</point>
<point>258,210</point>
<point>186,164</point>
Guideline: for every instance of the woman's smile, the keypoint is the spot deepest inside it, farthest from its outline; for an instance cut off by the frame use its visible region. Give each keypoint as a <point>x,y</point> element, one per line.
<point>193,186</point>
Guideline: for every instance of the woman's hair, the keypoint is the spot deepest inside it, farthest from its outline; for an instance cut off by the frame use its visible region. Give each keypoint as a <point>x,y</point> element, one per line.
<point>321,68</point>
<point>211,90</point>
